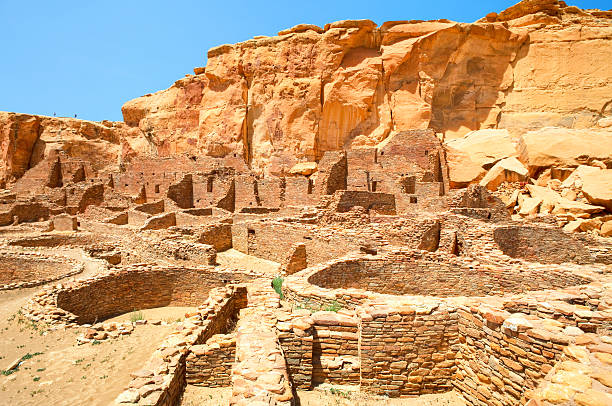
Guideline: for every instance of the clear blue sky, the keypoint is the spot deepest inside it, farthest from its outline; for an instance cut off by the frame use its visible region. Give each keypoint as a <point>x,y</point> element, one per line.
<point>89,57</point>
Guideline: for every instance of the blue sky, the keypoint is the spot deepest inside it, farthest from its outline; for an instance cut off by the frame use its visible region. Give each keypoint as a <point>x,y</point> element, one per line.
<point>89,57</point>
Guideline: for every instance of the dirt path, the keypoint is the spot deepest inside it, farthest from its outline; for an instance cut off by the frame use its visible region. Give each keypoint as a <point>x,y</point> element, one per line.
<point>198,396</point>
<point>235,259</point>
<point>344,398</point>
<point>59,372</point>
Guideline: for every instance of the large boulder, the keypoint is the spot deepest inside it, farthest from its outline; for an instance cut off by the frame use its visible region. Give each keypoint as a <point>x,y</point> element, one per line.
<point>470,157</point>
<point>506,170</point>
<point>597,188</point>
<point>563,147</point>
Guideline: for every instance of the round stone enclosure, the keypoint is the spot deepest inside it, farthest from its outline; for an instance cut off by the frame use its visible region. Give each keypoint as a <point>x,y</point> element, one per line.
<point>24,268</point>
<point>541,244</point>
<point>141,288</point>
<point>414,273</point>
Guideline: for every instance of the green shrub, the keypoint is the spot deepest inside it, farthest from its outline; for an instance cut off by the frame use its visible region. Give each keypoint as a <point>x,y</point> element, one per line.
<point>333,307</point>
<point>136,315</point>
<point>277,284</point>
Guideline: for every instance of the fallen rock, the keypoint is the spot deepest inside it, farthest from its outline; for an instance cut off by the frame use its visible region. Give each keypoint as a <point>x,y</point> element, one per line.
<point>606,229</point>
<point>485,147</point>
<point>128,396</point>
<point>575,207</point>
<point>550,147</point>
<point>462,171</point>
<point>506,170</point>
<point>590,224</point>
<point>530,206</point>
<point>597,188</point>
<point>575,178</point>
<point>304,168</point>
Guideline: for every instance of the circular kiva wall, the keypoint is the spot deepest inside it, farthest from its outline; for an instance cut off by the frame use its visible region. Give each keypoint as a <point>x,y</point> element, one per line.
<point>415,273</point>
<point>29,269</point>
<point>124,291</point>
<point>544,245</point>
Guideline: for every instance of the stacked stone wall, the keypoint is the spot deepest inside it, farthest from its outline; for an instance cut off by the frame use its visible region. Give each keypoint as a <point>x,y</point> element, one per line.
<point>542,244</point>
<point>210,364</point>
<point>217,235</point>
<point>28,269</point>
<point>126,290</point>
<point>166,369</point>
<point>503,356</point>
<point>418,273</point>
<point>408,350</point>
<point>335,349</point>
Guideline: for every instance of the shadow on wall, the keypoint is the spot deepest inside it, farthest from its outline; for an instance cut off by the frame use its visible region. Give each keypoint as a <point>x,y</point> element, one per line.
<point>545,245</point>
<point>136,289</point>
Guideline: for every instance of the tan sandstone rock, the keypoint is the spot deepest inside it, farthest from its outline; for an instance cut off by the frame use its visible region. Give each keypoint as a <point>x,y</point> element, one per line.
<point>564,147</point>
<point>597,188</point>
<point>506,170</point>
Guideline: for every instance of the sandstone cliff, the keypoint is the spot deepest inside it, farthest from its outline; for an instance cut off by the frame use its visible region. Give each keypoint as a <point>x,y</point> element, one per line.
<point>285,99</point>
<point>25,140</point>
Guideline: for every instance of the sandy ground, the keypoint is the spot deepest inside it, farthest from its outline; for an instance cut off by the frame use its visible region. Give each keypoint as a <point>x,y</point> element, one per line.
<point>344,398</point>
<point>236,259</point>
<point>59,372</point>
<point>198,396</point>
<point>165,314</point>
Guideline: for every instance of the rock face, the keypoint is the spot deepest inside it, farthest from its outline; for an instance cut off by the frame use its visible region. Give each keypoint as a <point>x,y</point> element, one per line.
<point>282,100</point>
<point>566,147</point>
<point>597,187</point>
<point>26,140</point>
<point>285,100</point>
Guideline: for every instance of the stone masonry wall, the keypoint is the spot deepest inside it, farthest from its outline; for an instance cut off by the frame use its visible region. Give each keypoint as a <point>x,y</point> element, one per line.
<point>408,350</point>
<point>165,371</point>
<point>418,273</point>
<point>139,288</point>
<point>504,355</point>
<point>539,244</point>
<point>217,235</point>
<point>210,364</point>
<point>295,335</point>
<point>273,240</point>
<point>335,349</point>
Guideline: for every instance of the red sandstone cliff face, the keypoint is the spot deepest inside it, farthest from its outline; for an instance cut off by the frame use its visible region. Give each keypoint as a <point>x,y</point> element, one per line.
<point>285,99</point>
<point>277,101</point>
<point>25,140</point>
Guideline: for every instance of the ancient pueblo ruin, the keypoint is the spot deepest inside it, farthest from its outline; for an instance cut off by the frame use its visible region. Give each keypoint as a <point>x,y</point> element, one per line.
<point>416,213</point>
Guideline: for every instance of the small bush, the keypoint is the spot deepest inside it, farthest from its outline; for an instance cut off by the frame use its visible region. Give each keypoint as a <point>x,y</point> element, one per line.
<point>333,307</point>
<point>277,284</point>
<point>136,315</point>
<point>28,356</point>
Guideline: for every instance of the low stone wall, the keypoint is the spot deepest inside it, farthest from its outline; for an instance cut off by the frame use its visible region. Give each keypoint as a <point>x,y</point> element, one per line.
<point>258,350</point>
<point>273,240</point>
<point>583,376</point>
<point>408,350</point>
<point>128,289</point>
<point>160,222</point>
<point>542,244</point>
<point>295,335</point>
<point>80,239</point>
<point>194,253</point>
<point>345,200</point>
<point>210,364</point>
<point>29,269</point>
<point>217,235</point>
<point>504,355</point>
<point>405,272</point>
<point>335,349</point>
<point>165,372</point>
